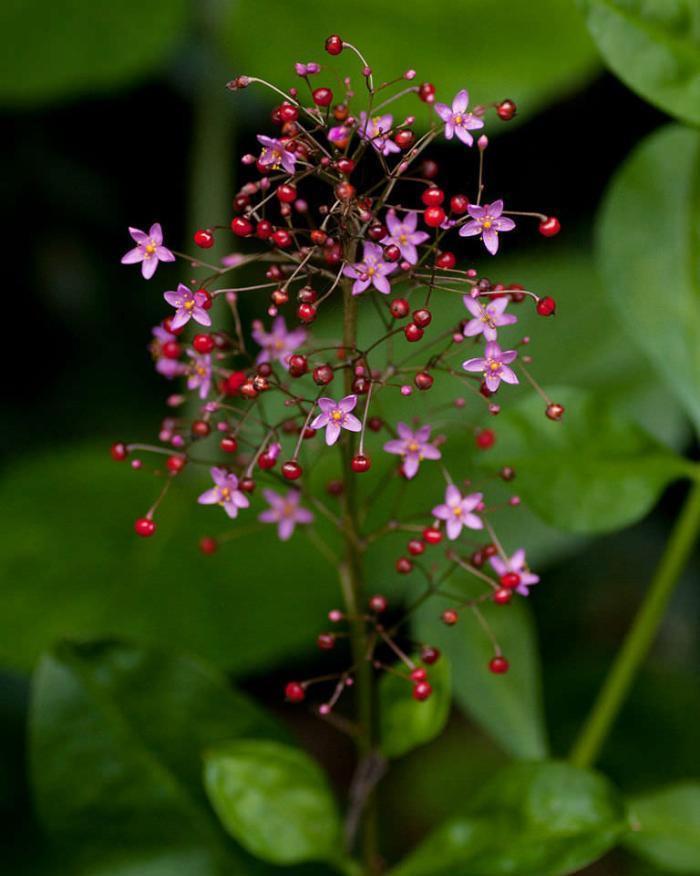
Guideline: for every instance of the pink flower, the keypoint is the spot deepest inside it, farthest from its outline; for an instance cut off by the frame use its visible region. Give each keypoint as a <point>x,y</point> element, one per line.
<point>339,134</point>
<point>149,250</point>
<point>372,270</point>
<point>307,69</point>
<point>274,155</point>
<point>457,120</point>
<point>518,565</point>
<point>189,305</point>
<point>285,511</point>
<point>278,344</point>
<point>458,511</point>
<point>335,416</point>
<point>404,235</point>
<point>487,318</point>
<point>164,364</point>
<point>494,366</point>
<point>487,221</point>
<point>199,371</point>
<point>225,492</point>
<point>376,130</point>
<point>413,447</point>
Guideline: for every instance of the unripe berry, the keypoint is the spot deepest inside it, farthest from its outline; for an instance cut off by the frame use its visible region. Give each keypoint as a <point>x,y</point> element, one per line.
<point>433,216</point>
<point>294,692</point>
<point>145,527</point>
<point>322,96</point>
<point>550,226</point>
<point>334,44</point>
<point>360,463</point>
<point>546,306</point>
<point>422,691</point>
<point>499,665</point>
<point>204,239</point>
<point>203,343</point>
<point>241,227</point>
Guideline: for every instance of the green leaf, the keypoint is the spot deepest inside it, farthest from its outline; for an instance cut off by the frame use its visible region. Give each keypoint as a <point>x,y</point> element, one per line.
<point>507,706</point>
<point>593,471</point>
<point>654,47</point>
<point>116,735</point>
<point>545,819</point>
<point>407,723</point>
<point>55,50</point>
<point>648,250</point>
<point>556,58</point>
<point>666,827</point>
<point>76,570</point>
<point>274,799</point>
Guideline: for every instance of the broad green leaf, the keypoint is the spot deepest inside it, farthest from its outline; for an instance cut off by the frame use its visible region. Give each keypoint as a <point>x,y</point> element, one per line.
<point>648,250</point>
<point>507,706</point>
<point>407,723</point>
<point>592,471</point>
<point>274,799</point>
<point>557,57</point>
<point>654,47</point>
<point>545,819</point>
<point>78,47</point>
<point>76,569</point>
<point>666,827</point>
<point>116,735</point>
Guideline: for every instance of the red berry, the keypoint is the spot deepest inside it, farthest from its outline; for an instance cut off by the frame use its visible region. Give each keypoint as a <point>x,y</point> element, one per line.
<point>399,308</point>
<point>334,44</point>
<point>432,196</point>
<point>235,381</point>
<point>119,451</point>
<point>228,444</point>
<point>360,463</point>
<point>499,665</point>
<point>325,641</point>
<point>421,691</point>
<point>345,165</point>
<point>429,654</point>
<point>510,580</point>
<point>415,547</point>
<point>176,463</point>
<point>432,535</point>
<point>554,412</point>
<point>550,226</point>
<point>377,231</point>
<point>485,439</point>
<point>422,317</point>
<point>502,596</point>
<point>241,227</point>
<point>145,527</point>
<point>450,617</point>
<point>426,92</point>
<point>208,545</point>
<point>446,260</point>
<point>298,365</point>
<point>306,312</point>
<point>404,139</point>
<point>506,110</point>
<point>286,193</point>
<point>266,461</point>
<point>203,343</point>
<point>208,300</point>
<point>204,239</point>
<point>378,604</point>
<point>292,470</point>
<point>344,191</point>
<point>429,169</point>
<point>263,229</point>
<point>322,96</point>
<point>546,306</point>
<point>288,112</point>
<point>413,332</point>
<point>282,238</point>
<point>247,485</point>
<point>489,550</point>
<point>200,428</point>
<point>459,204</point>
<point>403,565</point>
<point>322,375</point>
<point>433,216</point>
<point>419,674</point>
<point>294,692</point>
<point>392,253</point>
<point>423,380</point>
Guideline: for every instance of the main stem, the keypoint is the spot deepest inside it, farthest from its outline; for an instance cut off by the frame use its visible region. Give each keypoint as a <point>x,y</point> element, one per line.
<point>352,583</point>
<point>641,635</point>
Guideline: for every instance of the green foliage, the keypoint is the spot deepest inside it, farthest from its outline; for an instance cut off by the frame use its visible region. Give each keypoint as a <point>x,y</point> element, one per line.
<point>55,50</point>
<point>593,471</point>
<point>407,723</point>
<point>654,47</point>
<point>274,800</point>
<point>666,827</point>
<point>648,250</point>
<point>507,706</point>
<point>545,819</point>
<point>116,735</point>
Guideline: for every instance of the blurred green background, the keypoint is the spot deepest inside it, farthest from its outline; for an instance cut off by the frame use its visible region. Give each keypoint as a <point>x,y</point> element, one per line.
<point>116,115</point>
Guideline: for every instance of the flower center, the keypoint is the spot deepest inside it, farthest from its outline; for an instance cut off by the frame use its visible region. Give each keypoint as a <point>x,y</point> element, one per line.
<point>225,494</point>
<point>487,223</point>
<point>493,365</point>
<point>458,120</point>
<point>457,511</point>
<point>188,305</point>
<point>403,238</point>
<point>150,249</point>
<point>413,447</point>
<point>337,415</point>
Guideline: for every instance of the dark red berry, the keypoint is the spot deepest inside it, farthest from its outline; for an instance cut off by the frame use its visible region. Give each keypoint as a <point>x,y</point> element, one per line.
<point>404,139</point>
<point>291,470</point>
<point>203,343</point>
<point>228,444</point>
<point>423,380</point>
<point>413,332</point>
<point>322,375</point>
<point>266,461</point>
<point>426,92</point>
<point>446,260</point>
<point>432,535</point>
<point>208,300</point>
<point>119,451</point>
<point>489,550</point>
<point>485,439</point>
<point>421,691</point>
<point>377,231</point>
<point>145,527</point>
<point>241,227</point>
<point>415,547</point>
<point>282,238</point>
<point>546,306</point>
<point>378,604</point>
<point>499,665</point>
<point>176,463</point>
<point>334,44</point>
<point>422,317</point>
<point>325,641</point>
<point>433,216</point>
<point>506,109</point>
<point>322,96</point>
<point>208,545</point>
<point>247,485</point>
<point>200,428</point>
<point>345,165</point>
<point>554,411</point>
<point>263,229</point>
<point>294,692</point>
<point>399,308</point>
<point>288,112</point>
<point>360,463</point>
<point>450,617</point>
<point>298,365</point>
<point>550,226</point>
<point>392,253</point>
<point>403,565</point>
<point>204,238</point>
<point>286,193</point>
<point>459,204</point>
<point>306,312</point>
<point>432,196</point>
<point>429,654</point>
<point>502,596</point>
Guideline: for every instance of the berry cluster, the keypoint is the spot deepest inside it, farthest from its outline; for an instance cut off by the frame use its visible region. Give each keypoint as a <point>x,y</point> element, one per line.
<point>343,214</point>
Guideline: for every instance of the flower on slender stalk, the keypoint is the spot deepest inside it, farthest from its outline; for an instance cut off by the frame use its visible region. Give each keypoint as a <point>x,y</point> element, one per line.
<point>458,511</point>
<point>494,366</point>
<point>188,305</point>
<point>518,565</point>
<point>285,511</point>
<point>376,130</point>
<point>402,233</point>
<point>487,222</point>
<point>487,317</point>
<point>279,343</point>
<point>413,447</point>
<point>165,365</point>
<point>225,492</point>
<point>372,270</point>
<point>307,69</point>
<point>274,155</point>
<point>199,373</point>
<point>457,120</point>
<point>149,250</point>
<point>335,415</point>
